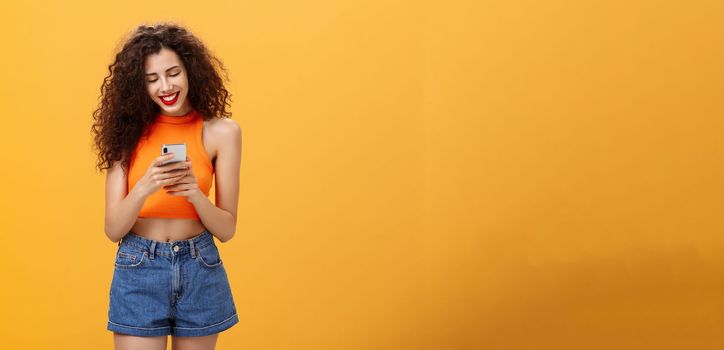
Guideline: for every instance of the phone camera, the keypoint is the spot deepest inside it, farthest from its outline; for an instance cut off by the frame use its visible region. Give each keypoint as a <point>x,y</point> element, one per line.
<point>165,150</point>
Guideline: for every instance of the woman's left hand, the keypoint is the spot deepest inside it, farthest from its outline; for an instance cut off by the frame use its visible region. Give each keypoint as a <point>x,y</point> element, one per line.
<point>185,186</point>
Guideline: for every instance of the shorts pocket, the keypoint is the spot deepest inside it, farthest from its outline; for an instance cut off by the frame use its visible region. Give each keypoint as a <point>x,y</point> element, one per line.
<point>129,258</point>
<point>209,256</point>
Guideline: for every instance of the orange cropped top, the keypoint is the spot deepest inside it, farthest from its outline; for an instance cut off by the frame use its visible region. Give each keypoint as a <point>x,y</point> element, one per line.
<point>172,129</point>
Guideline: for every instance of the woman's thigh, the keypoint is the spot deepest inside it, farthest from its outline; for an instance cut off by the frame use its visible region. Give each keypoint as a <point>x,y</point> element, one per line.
<point>206,342</point>
<point>132,342</point>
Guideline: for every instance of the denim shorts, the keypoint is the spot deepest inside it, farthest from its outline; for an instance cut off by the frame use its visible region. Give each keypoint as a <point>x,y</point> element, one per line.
<point>170,288</point>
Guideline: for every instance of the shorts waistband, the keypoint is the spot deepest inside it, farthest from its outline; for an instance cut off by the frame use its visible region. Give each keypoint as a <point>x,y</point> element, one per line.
<point>168,248</point>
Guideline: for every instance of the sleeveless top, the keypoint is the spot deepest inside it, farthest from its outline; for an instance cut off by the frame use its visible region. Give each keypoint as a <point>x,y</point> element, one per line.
<point>171,129</point>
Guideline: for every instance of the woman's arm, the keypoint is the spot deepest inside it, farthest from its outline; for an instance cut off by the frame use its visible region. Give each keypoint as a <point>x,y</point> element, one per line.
<point>122,208</point>
<point>220,219</point>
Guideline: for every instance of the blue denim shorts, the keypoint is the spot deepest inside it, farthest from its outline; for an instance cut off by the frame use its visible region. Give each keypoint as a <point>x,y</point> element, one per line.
<point>170,288</point>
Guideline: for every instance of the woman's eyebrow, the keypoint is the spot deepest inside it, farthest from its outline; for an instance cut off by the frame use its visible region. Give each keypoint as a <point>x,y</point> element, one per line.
<point>166,70</point>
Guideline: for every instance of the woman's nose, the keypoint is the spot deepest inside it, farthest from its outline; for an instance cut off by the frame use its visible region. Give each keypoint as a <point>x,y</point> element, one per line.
<point>165,86</point>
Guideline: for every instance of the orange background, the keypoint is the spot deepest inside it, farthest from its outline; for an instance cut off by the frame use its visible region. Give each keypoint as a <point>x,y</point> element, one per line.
<point>415,174</point>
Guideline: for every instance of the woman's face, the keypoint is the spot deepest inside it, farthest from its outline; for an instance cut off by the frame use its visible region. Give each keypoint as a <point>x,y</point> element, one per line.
<point>166,77</point>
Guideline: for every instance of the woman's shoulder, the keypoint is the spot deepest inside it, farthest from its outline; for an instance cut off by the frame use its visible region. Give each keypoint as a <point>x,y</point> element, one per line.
<point>222,125</point>
<point>222,128</point>
<point>223,133</point>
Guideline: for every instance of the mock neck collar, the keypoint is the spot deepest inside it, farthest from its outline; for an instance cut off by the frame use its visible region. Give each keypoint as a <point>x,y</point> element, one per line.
<point>186,118</point>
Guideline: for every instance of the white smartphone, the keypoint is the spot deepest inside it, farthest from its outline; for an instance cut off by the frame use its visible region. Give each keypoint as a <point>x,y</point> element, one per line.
<point>178,150</point>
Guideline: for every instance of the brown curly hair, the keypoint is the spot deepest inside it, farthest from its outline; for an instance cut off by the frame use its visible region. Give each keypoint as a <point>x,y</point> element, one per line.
<point>125,110</point>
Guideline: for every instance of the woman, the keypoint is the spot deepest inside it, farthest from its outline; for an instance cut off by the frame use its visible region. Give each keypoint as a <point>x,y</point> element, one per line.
<point>164,87</point>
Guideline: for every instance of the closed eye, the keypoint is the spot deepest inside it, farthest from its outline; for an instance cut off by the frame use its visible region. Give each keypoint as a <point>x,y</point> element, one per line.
<point>173,75</point>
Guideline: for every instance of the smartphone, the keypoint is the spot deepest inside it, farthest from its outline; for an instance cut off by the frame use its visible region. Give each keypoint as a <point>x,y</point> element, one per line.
<point>178,150</point>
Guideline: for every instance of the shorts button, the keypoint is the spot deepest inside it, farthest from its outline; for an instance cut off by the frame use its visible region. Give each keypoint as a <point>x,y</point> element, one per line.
<point>175,248</point>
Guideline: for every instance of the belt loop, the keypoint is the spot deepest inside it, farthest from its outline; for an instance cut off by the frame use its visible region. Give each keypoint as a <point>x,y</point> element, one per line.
<point>193,250</point>
<point>153,249</point>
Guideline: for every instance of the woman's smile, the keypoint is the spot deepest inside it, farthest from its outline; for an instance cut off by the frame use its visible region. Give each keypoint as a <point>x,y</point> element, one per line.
<point>170,99</point>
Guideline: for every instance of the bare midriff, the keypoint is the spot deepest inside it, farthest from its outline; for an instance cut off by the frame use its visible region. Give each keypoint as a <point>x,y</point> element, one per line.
<point>167,230</point>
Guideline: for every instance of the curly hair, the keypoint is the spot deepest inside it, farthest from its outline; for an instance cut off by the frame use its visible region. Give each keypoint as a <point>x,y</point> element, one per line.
<point>125,110</point>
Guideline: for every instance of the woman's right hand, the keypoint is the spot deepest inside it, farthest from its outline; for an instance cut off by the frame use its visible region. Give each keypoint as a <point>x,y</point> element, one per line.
<point>157,175</point>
